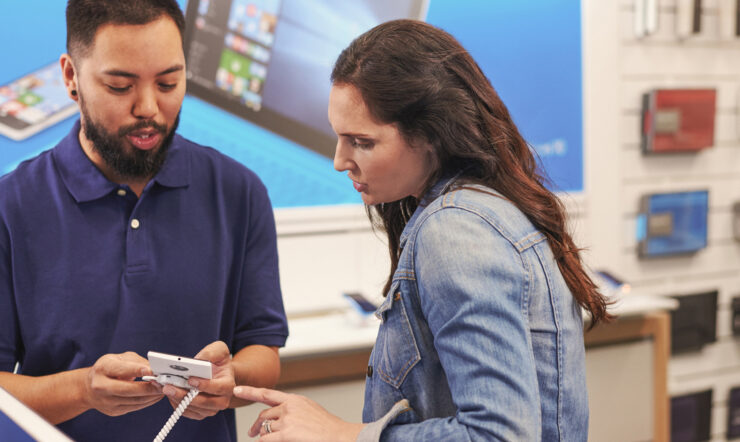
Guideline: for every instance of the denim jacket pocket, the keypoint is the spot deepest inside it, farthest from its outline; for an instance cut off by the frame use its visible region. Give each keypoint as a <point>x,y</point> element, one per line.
<point>395,352</point>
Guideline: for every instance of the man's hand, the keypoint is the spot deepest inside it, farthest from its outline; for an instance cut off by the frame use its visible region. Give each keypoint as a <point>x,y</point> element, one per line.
<point>215,394</point>
<point>110,387</point>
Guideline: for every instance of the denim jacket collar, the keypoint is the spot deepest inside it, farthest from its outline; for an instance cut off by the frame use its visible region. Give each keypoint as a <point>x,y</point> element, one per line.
<point>442,186</point>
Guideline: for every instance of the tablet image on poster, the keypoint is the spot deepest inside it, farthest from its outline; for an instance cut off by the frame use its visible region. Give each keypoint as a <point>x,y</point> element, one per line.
<point>33,102</point>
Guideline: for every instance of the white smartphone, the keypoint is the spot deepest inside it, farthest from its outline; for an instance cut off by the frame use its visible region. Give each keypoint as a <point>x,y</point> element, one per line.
<point>172,365</point>
<point>609,284</point>
<point>34,102</point>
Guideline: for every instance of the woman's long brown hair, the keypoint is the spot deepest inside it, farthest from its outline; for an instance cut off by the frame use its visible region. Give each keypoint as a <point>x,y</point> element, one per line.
<point>421,79</point>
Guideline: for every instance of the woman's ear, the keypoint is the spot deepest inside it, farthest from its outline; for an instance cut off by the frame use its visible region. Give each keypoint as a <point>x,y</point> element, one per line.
<point>69,75</point>
<point>431,154</point>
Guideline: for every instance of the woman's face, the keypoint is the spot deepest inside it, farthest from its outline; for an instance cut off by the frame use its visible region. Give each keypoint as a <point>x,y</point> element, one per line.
<point>382,166</point>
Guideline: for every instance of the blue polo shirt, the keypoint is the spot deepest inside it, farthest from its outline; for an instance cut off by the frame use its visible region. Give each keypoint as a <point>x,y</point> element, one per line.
<point>87,268</point>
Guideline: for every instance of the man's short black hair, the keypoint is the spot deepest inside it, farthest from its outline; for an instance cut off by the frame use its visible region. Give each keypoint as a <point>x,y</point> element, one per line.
<point>85,17</point>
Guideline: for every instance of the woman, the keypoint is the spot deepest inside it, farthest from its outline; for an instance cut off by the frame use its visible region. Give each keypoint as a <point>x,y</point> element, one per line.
<point>482,334</point>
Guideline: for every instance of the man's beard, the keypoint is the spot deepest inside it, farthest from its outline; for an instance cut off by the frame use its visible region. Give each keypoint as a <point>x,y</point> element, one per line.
<point>111,147</point>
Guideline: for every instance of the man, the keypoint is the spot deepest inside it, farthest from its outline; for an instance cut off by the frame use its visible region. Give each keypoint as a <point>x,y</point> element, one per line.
<point>126,238</point>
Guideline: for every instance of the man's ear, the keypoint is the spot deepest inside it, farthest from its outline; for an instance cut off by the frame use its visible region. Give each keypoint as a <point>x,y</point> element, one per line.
<point>69,74</point>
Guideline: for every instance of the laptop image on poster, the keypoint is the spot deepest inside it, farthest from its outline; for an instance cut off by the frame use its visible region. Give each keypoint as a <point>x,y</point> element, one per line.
<point>258,89</point>
<point>267,64</point>
<point>18,423</point>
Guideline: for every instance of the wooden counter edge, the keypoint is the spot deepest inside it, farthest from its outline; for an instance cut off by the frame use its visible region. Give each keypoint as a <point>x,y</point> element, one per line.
<point>655,326</point>
<point>323,369</point>
<point>314,370</point>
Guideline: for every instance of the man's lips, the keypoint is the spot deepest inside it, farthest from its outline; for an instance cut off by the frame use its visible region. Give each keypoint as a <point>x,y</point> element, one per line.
<point>144,139</point>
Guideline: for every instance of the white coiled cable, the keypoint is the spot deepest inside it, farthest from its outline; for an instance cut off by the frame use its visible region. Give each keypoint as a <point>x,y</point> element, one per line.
<point>176,415</point>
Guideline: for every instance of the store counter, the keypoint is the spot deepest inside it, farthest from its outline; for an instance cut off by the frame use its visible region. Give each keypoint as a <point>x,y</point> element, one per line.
<point>338,332</point>
<point>332,348</point>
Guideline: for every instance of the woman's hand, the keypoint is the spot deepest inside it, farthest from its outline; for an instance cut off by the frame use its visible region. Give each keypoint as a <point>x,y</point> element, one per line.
<point>294,417</point>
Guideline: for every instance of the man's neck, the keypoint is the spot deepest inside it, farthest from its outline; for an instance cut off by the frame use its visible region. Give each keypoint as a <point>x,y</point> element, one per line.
<point>136,184</point>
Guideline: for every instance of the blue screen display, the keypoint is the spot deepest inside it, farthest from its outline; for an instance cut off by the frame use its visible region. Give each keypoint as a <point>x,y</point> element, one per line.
<point>11,432</point>
<point>673,223</point>
<point>530,50</point>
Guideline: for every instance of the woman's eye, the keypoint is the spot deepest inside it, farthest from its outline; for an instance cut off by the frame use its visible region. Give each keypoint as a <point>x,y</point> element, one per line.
<point>362,144</point>
<point>167,86</point>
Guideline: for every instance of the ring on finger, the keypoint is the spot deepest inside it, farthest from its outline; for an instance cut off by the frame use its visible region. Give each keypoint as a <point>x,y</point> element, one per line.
<point>267,425</point>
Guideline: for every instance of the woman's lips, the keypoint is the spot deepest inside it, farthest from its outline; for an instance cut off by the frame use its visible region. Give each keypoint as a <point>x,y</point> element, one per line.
<point>359,187</point>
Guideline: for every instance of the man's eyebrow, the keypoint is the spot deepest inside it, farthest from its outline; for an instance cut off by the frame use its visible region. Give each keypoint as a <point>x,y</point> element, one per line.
<point>122,73</point>
<point>175,68</point>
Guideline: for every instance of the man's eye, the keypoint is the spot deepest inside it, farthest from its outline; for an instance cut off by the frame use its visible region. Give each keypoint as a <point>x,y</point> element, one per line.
<point>119,90</point>
<point>167,86</point>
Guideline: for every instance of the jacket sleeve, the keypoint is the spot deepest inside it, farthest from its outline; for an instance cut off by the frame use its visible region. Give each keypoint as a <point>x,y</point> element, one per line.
<point>473,293</point>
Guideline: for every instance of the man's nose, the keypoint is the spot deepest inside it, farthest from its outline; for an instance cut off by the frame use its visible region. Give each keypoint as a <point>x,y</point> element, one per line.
<point>145,106</point>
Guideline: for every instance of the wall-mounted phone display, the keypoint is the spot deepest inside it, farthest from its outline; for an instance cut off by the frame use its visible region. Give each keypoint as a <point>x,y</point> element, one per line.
<point>735,306</point>
<point>646,17</point>
<point>688,17</point>
<point>694,322</point>
<point>691,416</point>
<point>610,285</point>
<point>678,120</point>
<point>733,413</point>
<point>672,223</point>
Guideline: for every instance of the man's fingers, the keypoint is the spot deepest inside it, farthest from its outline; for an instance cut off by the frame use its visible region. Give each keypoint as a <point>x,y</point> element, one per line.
<point>202,406</point>
<point>119,388</point>
<point>216,352</point>
<point>209,402</point>
<point>174,393</point>
<point>150,401</point>
<point>217,387</point>
<point>123,366</point>
<point>137,388</point>
<point>134,400</point>
<point>122,409</point>
<point>196,414</point>
<point>262,395</point>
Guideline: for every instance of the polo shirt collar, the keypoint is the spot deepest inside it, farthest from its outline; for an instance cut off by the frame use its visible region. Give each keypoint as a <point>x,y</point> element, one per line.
<point>87,183</point>
<point>175,171</point>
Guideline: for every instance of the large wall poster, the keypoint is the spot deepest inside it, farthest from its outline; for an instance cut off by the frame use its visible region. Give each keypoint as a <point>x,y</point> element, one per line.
<point>531,52</point>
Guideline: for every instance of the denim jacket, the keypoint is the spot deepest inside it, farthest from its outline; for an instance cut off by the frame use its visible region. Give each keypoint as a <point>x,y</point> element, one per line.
<point>480,339</point>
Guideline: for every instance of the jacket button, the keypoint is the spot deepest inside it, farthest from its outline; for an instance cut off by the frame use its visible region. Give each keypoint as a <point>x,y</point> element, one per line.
<point>369,371</point>
<point>397,296</point>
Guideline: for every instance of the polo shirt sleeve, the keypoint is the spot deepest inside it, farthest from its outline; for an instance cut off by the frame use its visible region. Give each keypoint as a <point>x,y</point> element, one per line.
<point>261,314</point>
<point>8,318</point>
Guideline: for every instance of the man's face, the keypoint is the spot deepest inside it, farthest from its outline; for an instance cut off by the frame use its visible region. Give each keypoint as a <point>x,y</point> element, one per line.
<point>131,87</point>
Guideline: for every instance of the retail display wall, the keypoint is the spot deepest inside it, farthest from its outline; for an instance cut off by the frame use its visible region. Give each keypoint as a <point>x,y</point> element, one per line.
<point>619,67</point>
